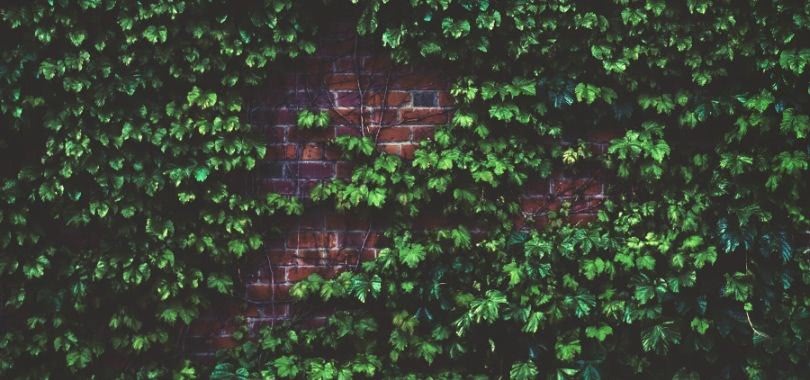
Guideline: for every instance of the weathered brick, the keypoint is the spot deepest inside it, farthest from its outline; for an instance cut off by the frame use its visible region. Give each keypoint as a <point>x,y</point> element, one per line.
<point>423,115</point>
<point>344,169</point>
<point>276,134</point>
<point>395,149</point>
<point>445,100</point>
<point>331,152</point>
<point>417,81</point>
<point>393,134</point>
<point>347,98</point>
<point>345,81</point>
<point>281,186</point>
<point>259,291</point>
<point>392,99</point>
<point>407,151</point>
<point>421,132</point>
<point>281,256</point>
<point>312,170</point>
<point>311,135</point>
<point>282,152</point>
<point>312,152</point>
<point>416,101</point>
<point>283,117</point>
<point>311,239</point>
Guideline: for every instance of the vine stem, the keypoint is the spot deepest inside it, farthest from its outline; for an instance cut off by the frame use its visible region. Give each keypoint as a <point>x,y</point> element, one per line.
<point>748,315</point>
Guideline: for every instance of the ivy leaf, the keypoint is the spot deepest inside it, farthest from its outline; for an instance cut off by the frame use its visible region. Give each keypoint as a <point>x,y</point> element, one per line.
<point>590,373</point>
<point>728,236</point>
<point>785,248</point>
<point>599,333</point>
<point>660,338</point>
<point>567,349</point>
<point>376,197</point>
<point>586,92</point>
<point>523,371</point>
<point>201,173</point>
<point>412,254</point>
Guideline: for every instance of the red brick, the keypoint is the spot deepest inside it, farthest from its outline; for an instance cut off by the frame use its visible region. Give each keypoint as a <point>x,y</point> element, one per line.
<point>377,63</point>
<point>391,148</point>
<point>423,132</point>
<point>312,152</point>
<point>268,314</point>
<point>331,152</point>
<point>369,254</point>
<point>392,99</point>
<point>348,131</point>
<point>305,186</point>
<point>393,134</point>
<point>311,239</point>
<point>281,256</point>
<point>423,116</point>
<point>281,186</point>
<point>311,99</point>
<point>418,80</point>
<point>344,116</point>
<point>282,152</point>
<point>311,135</point>
<point>358,239</point>
<point>283,293</point>
<point>344,169</point>
<point>539,205</point>
<point>408,150</point>
<point>310,257</point>
<point>317,170</point>
<point>284,116</point>
<point>532,205</point>
<point>347,98</point>
<point>259,291</point>
<point>390,116</point>
<point>277,134</point>
<point>223,342</point>
<point>445,100</point>
<point>341,81</point>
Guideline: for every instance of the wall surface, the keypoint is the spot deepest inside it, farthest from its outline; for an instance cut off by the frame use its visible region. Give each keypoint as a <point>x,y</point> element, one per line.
<point>365,94</point>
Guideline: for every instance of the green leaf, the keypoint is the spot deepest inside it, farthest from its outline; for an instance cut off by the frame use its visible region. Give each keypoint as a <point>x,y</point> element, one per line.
<point>660,338</point>
<point>201,173</point>
<point>598,333</point>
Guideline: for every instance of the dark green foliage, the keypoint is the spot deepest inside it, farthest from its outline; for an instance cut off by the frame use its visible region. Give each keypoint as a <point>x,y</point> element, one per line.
<point>696,268</point>
<point>124,154</point>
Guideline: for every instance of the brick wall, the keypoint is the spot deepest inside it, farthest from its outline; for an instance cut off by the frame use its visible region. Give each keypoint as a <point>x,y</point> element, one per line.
<point>365,94</point>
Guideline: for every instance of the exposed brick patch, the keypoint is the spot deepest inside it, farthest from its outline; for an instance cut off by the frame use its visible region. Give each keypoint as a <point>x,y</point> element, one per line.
<point>365,94</point>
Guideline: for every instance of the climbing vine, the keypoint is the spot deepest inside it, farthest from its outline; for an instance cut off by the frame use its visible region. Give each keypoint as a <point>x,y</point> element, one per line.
<point>125,155</point>
<point>126,142</point>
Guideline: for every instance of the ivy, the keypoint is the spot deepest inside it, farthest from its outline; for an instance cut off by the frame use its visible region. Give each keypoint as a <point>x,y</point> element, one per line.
<point>124,136</point>
<point>120,219</point>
